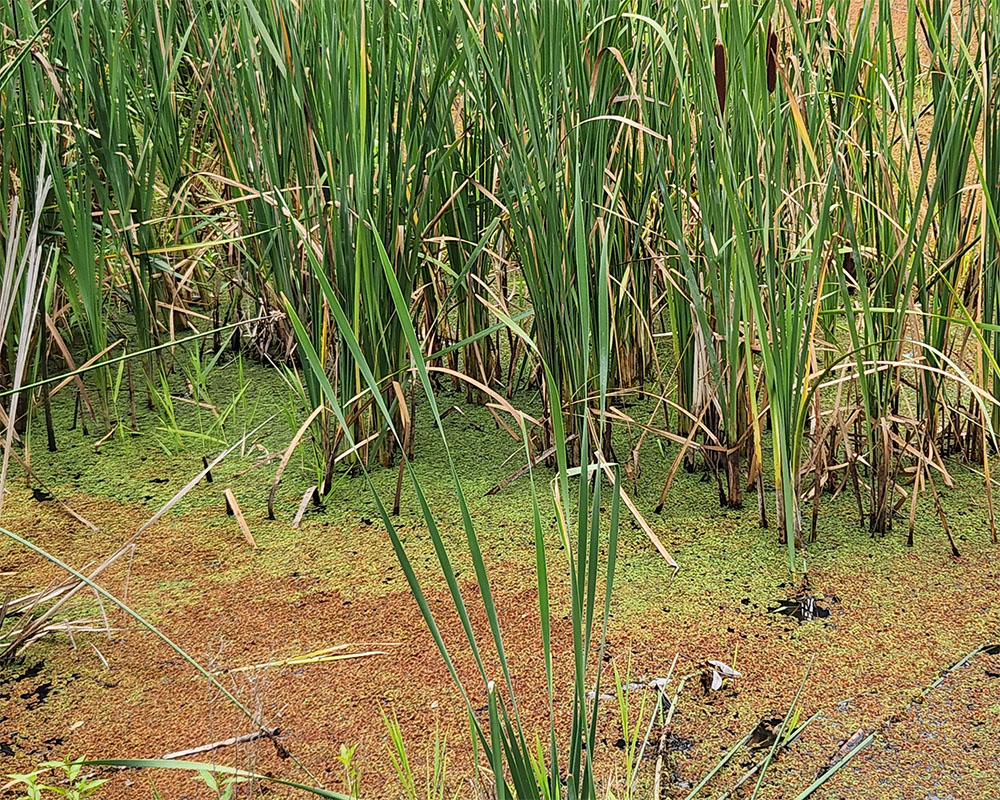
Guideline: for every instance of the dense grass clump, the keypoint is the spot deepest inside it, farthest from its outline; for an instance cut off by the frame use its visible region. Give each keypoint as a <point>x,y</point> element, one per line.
<point>801,205</point>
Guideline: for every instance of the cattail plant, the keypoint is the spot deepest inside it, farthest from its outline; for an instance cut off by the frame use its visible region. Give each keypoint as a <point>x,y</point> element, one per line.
<point>720,76</point>
<point>786,227</point>
<point>356,120</point>
<point>771,60</point>
<point>546,99</point>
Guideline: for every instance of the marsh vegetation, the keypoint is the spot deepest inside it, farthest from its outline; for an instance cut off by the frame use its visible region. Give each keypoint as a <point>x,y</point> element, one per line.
<point>591,398</point>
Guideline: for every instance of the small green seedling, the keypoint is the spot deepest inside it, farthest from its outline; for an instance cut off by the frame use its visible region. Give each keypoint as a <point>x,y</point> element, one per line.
<point>76,786</point>
<point>352,776</point>
<point>224,789</point>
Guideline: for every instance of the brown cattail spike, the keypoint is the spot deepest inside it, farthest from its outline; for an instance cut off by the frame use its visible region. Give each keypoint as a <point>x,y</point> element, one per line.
<point>772,62</point>
<point>720,76</point>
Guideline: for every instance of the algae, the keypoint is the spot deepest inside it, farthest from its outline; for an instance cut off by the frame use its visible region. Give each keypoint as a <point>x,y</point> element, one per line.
<point>899,614</point>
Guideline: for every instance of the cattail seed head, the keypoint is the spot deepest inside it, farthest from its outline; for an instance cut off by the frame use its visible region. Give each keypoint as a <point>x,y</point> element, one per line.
<point>720,76</point>
<point>850,272</point>
<point>772,61</point>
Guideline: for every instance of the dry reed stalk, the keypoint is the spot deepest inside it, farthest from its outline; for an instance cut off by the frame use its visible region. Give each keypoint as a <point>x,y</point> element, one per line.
<point>237,512</point>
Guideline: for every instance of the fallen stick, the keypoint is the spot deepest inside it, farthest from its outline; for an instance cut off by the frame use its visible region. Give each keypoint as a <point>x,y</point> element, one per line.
<point>18,605</point>
<point>756,767</point>
<point>287,457</point>
<point>663,750</point>
<point>206,748</point>
<point>637,516</point>
<point>234,507</point>
<point>655,683</point>
<point>302,506</point>
<point>315,657</point>
<point>526,468</point>
<point>75,374</point>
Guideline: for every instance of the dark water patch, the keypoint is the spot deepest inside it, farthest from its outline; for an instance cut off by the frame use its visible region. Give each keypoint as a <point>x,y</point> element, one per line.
<point>31,672</point>
<point>765,733</point>
<point>40,694</point>
<point>21,675</point>
<point>679,744</point>
<point>803,608</point>
<point>41,496</point>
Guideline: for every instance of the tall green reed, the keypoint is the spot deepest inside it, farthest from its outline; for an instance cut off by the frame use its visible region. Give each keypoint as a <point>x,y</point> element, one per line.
<point>341,138</point>
<point>989,179</point>
<point>561,119</point>
<point>790,204</point>
<point>519,770</point>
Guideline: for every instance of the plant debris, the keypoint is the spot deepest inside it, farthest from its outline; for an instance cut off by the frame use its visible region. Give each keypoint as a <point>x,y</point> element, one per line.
<point>804,608</point>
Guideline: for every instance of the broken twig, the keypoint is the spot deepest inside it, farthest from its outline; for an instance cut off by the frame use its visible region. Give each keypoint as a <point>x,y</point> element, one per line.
<point>207,748</point>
